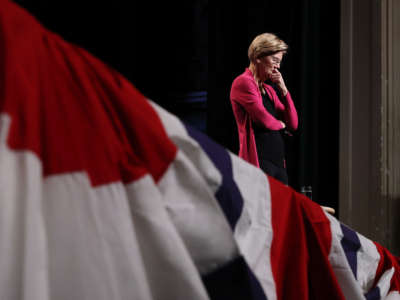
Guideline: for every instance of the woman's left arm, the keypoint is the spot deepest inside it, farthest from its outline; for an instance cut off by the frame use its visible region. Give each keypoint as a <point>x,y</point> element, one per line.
<point>283,103</point>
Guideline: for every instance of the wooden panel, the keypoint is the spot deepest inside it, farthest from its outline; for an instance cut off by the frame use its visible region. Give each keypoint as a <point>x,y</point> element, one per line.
<point>346,105</point>
<point>357,116</point>
<point>394,125</point>
<point>370,119</point>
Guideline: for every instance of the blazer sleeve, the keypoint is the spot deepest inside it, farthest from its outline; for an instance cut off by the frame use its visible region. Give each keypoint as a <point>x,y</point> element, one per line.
<point>245,93</point>
<point>286,108</point>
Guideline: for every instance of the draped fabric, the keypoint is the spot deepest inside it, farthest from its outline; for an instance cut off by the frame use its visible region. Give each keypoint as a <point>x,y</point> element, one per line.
<point>105,195</point>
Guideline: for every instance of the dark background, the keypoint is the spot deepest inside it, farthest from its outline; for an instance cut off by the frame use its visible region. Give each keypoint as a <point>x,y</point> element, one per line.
<point>185,56</point>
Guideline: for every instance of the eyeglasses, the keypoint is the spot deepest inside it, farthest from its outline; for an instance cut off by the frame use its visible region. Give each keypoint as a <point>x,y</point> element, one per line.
<point>275,60</point>
<point>271,60</point>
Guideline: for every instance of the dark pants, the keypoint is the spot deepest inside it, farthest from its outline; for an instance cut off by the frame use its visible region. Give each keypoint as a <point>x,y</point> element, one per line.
<point>274,171</point>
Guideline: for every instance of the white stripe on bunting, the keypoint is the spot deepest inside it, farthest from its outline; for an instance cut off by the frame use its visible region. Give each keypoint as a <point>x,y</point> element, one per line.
<point>349,285</point>
<point>253,231</point>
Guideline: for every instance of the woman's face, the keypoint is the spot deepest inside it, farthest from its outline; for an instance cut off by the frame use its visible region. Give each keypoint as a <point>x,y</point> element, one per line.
<point>269,64</point>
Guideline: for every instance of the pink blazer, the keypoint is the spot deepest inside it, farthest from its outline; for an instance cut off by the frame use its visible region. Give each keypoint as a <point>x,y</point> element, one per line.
<point>248,107</point>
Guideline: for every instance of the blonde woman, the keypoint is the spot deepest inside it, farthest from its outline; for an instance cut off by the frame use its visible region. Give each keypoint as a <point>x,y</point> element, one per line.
<point>262,111</point>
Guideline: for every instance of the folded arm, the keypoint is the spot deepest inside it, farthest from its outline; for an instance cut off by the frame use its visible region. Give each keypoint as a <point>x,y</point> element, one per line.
<point>245,93</point>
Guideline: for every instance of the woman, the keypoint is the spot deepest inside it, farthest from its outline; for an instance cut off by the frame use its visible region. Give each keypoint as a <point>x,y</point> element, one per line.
<point>261,112</point>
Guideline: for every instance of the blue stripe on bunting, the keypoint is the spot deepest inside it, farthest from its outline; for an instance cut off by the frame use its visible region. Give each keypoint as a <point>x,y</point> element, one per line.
<point>350,244</point>
<point>374,294</point>
<point>235,280</point>
<point>228,195</point>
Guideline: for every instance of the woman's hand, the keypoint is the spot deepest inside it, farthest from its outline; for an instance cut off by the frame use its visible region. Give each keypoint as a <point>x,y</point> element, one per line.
<point>276,77</point>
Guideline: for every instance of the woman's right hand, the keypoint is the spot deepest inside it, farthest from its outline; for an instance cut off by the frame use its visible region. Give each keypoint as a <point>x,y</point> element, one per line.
<point>283,125</point>
<point>276,77</point>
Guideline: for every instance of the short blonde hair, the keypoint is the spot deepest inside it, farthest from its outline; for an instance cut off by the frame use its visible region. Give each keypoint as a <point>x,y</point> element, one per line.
<point>266,44</point>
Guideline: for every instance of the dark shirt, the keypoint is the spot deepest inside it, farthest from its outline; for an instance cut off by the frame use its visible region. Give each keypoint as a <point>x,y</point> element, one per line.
<point>269,143</point>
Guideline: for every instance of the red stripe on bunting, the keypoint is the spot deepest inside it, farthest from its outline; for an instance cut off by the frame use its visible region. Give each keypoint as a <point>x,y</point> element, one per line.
<point>300,247</point>
<point>72,110</point>
<point>386,262</point>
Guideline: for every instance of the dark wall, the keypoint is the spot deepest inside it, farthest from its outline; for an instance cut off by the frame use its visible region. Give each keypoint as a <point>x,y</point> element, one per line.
<point>161,47</point>
<point>310,70</point>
